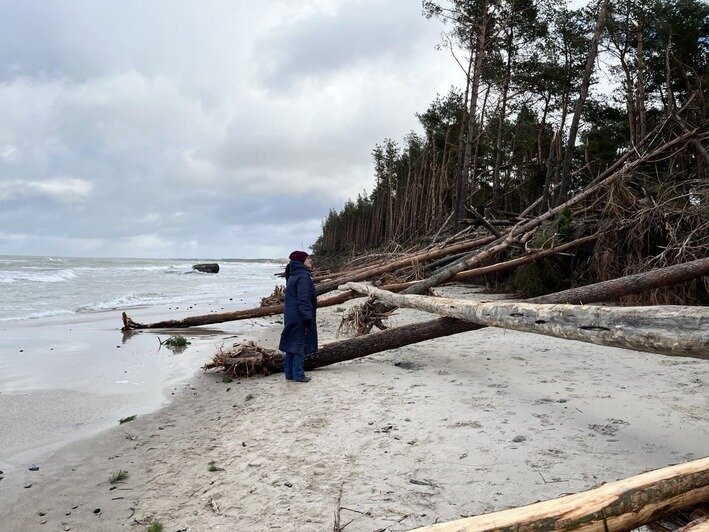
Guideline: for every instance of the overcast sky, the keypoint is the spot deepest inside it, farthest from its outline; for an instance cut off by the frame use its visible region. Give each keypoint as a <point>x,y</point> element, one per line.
<point>200,129</point>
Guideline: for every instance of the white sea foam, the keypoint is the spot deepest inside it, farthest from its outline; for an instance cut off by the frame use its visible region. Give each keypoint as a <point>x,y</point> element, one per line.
<point>38,315</point>
<point>36,275</point>
<point>35,287</point>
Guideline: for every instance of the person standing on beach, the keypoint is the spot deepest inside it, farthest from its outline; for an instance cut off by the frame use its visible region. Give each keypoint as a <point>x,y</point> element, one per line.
<point>300,333</point>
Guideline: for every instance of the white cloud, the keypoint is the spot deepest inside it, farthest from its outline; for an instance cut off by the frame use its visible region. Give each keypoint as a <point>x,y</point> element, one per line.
<point>65,189</point>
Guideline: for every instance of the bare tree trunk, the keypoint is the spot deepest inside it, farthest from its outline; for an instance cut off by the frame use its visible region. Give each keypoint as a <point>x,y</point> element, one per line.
<point>614,507</point>
<point>641,81</point>
<point>670,330</point>
<point>551,164</point>
<point>583,94</point>
<point>671,104</point>
<point>461,141</point>
<point>462,188</point>
<point>501,123</point>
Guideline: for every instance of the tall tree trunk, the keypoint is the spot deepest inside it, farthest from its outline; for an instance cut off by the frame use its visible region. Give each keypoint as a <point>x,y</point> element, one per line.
<point>641,82</point>
<point>465,120</point>
<point>462,188</point>
<point>551,164</point>
<point>578,108</point>
<point>501,123</point>
<point>671,104</point>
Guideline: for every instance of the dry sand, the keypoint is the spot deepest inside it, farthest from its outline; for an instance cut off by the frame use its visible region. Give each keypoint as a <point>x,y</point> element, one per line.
<point>405,438</point>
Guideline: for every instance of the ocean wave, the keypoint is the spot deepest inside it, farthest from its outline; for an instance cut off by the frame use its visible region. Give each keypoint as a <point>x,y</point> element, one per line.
<point>38,315</point>
<point>133,300</point>
<point>52,276</point>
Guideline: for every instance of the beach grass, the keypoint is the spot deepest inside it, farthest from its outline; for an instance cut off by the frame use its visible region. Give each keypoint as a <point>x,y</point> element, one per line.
<point>118,476</point>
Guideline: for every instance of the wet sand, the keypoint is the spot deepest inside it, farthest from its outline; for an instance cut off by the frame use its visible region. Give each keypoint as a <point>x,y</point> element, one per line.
<point>64,378</point>
<point>451,427</point>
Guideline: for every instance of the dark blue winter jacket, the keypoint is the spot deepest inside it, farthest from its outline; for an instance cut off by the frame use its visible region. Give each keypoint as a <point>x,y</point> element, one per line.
<point>300,334</point>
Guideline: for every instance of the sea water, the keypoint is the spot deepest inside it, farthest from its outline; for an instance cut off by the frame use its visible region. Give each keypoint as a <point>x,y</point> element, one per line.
<point>68,371</point>
<point>40,287</point>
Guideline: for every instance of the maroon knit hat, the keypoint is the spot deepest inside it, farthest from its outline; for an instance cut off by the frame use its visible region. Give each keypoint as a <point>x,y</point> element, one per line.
<point>299,256</point>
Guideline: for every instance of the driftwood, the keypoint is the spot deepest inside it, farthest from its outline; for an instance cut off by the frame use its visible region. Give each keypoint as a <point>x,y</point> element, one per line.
<point>670,330</point>
<point>258,312</point>
<point>273,310</point>
<point>617,506</point>
<point>360,346</point>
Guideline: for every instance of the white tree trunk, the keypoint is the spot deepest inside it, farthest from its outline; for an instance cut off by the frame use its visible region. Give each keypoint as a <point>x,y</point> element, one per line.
<point>670,330</point>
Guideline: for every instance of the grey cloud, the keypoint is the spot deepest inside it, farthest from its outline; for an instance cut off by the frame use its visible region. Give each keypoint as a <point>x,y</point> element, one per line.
<point>139,128</point>
<point>354,32</point>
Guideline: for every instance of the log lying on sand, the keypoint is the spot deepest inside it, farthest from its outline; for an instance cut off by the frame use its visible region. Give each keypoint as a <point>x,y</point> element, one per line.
<point>669,330</point>
<point>393,338</point>
<point>258,312</point>
<point>272,310</point>
<point>617,506</point>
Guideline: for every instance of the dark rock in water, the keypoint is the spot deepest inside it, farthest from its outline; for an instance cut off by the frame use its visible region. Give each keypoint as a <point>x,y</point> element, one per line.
<point>207,267</point>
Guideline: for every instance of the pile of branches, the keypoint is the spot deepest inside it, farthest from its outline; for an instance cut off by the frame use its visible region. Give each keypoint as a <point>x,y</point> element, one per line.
<point>649,221</point>
<point>278,296</point>
<point>360,319</point>
<point>246,359</point>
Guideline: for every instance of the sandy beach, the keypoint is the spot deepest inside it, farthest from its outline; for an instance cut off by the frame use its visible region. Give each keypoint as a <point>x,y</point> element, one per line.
<point>452,427</point>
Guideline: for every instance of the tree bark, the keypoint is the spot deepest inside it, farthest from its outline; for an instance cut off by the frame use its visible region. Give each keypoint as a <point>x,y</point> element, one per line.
<point>617,506</point>
<point>360,346</point>
<point>578,108</point>
<point>519,261</point>
<point>669,330</point>
<point>641,80</point>
<point>462,185</point>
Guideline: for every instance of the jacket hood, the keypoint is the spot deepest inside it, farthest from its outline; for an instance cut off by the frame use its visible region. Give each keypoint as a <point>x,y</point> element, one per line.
<point>298,267</point>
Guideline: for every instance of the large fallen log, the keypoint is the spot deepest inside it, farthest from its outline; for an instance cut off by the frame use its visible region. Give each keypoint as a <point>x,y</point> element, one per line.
<point>669,330</point>
<point>520,261</point>
<point>273,310</point>
<point>369,273</point>
<point>393,338</point>
<point>617,506</point>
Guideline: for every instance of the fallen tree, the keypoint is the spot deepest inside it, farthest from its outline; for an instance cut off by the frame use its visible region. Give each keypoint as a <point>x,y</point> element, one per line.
<point>617,506</point>
<point>371,272</point>
<point>272,310</point>
<point>271,361</point>
<point>669,330</point>
<point>517,232</point>
<point>257,312</point>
